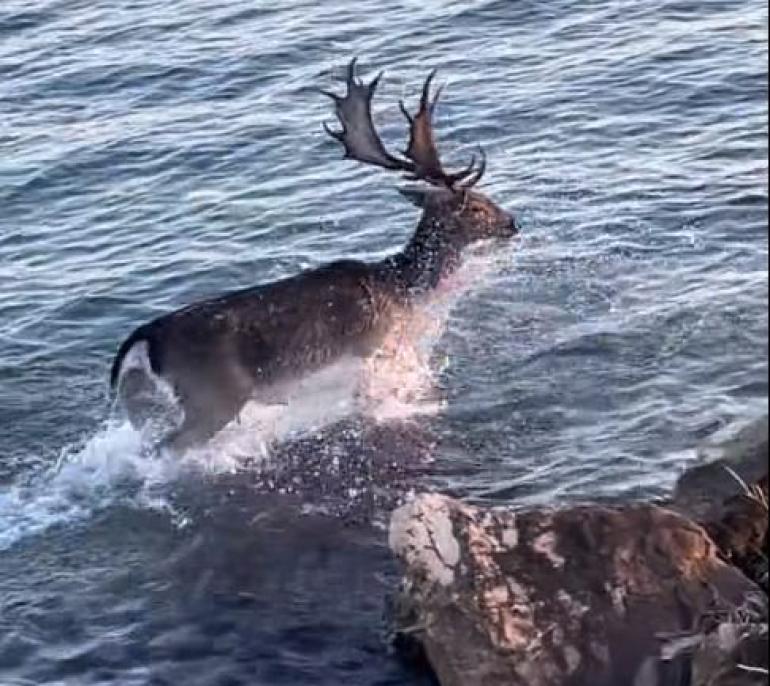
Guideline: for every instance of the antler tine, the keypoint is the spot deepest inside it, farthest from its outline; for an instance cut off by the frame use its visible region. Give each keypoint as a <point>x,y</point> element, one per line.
<point>405,112</point>
<point>453,179</point>
<point>425,101</point>
<point>476,177</point>
<point>421,148</point>
<point>359,136</point>
<point>336,135</point>
<point>352,80</point>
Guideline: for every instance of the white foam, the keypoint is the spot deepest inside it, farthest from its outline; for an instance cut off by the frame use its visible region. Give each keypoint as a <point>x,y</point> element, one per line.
<point>76,485</point>
<point>117,464</point>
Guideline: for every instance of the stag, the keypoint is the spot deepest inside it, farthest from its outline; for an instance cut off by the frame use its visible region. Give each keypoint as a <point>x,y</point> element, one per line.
<point>217,354</point>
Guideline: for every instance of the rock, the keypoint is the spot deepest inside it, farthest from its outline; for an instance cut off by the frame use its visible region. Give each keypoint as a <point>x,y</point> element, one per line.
<point>585,596</point>
<point>728,494</point>
<point>723,467</point>
<point>739,528</point>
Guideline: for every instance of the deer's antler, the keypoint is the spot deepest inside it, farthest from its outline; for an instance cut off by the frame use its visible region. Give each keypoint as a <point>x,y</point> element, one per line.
<point>361,141</point>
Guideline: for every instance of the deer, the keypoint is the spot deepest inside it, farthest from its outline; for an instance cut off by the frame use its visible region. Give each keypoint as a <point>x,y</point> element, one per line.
<point>215,355</point>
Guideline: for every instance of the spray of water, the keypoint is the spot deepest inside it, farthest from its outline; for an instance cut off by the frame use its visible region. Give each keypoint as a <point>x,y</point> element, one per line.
<point>118,464</point>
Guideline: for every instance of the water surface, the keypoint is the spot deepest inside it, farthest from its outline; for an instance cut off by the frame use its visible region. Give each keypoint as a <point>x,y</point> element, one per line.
<point>152,153</point>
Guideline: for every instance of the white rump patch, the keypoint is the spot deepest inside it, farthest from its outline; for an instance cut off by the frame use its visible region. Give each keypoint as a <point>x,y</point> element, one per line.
<point>161,410</point>
<point>137,357</point>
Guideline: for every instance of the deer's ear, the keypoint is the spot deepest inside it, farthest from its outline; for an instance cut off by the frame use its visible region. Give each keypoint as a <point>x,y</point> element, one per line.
<point>416,196</point>
<point>420,197</point>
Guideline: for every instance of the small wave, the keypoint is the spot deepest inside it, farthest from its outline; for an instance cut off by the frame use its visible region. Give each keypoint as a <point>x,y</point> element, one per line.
<point>111,465</point>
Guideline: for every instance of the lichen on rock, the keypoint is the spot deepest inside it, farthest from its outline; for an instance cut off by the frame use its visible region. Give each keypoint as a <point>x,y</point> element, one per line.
<point>635,595</point>
<point>549,597</point>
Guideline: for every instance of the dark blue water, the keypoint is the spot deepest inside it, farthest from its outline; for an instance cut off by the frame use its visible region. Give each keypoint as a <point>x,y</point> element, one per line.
<point>152,153</point>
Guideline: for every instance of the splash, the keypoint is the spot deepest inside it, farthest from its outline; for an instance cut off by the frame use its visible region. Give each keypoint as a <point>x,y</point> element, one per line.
<point>119,465</point>
<point>107,467</point>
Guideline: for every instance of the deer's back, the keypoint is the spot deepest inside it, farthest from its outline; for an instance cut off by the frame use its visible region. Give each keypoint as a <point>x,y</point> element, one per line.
<point>276,330</point>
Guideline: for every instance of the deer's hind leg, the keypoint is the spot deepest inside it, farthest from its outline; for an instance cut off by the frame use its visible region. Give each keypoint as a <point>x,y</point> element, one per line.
<point>208,407</point>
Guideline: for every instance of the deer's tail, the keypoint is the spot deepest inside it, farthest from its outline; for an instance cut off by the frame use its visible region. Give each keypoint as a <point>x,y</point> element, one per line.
<point>143,333</point>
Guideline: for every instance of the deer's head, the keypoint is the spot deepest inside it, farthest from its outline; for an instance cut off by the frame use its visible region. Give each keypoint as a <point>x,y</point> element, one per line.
<point>448,200</point>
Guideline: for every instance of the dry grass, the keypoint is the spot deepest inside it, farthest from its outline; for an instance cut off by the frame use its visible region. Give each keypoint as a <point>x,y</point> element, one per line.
<point>714,645</point>
<point>753,492</point>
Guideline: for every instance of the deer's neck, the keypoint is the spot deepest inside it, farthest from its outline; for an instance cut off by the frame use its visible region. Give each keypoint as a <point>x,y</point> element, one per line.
<point>430,256</point>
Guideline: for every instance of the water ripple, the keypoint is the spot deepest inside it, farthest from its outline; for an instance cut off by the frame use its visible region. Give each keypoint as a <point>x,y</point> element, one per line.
<point>154,152</point>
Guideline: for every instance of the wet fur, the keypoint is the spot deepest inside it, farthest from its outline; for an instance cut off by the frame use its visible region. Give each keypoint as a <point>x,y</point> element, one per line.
<point>219,353</point>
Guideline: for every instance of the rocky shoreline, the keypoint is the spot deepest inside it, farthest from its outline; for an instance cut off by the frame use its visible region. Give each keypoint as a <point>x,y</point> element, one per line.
<point>646,594</point>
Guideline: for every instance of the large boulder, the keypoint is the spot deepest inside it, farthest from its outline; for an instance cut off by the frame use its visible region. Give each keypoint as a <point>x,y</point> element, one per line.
<point>585,596</point>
